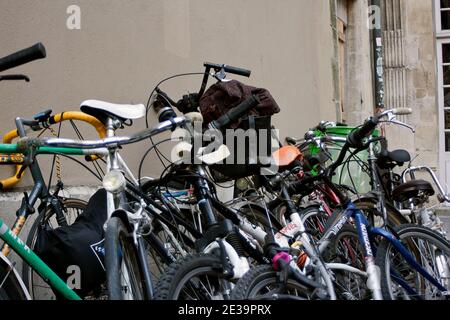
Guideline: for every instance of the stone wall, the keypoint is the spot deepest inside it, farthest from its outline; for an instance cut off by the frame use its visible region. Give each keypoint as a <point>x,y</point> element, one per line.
<point>419,58</point>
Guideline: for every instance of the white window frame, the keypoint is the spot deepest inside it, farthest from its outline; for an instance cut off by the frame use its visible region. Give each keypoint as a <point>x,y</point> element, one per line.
<point>444,162</point>
<point>440,33</point>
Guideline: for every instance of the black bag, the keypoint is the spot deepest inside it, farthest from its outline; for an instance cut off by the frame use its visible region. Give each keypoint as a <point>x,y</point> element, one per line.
<point>224,96</point>
<point>79,244</point>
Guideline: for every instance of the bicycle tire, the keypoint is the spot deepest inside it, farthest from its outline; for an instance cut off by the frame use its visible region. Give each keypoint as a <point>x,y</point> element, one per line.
<point>261,277</point>
<point>123,274</point>
<point>31,279</point>
<point>383,259</point>
<point>370,209</point>
<point>183,271</point>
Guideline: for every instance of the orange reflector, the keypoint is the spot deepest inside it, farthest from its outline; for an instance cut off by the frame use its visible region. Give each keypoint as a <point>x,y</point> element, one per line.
<point>286,155</point>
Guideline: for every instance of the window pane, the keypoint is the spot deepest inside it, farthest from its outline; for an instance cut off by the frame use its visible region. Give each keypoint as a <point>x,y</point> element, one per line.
<point>447,119</point>
<point>445,4</point>
<point>446,52</point>
<point>447,98</point>
<point>445,20</point>
<point>446,75</point>
<point>447,141</point>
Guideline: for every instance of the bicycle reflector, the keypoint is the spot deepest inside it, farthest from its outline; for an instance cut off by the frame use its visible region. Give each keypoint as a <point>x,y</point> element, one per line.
<point>114,181</point>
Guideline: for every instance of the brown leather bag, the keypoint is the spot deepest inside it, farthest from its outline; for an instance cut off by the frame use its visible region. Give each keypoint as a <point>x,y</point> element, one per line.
<point>223,96</point>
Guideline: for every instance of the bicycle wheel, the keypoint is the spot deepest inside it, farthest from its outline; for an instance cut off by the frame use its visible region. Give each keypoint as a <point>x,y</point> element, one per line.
<point>263,283</point>
<point>429,249</point>
<point>195,277</point>
<point>123,273</point>
<point>10,288</point>
<point>347,249</point>
<point>315,220</point>
<point>37,287</point>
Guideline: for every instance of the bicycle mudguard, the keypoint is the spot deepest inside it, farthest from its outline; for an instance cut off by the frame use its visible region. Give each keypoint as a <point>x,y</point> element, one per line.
<point>6,264</point>
<point>394,216</point>
<point>10,182</point>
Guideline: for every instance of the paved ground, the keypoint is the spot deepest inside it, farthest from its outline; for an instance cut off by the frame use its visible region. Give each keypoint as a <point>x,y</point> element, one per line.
<point>444,215</point>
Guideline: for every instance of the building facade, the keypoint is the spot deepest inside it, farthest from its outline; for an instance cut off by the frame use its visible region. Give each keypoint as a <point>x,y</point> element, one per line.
<point>121,49</point>
<point>316,58</point>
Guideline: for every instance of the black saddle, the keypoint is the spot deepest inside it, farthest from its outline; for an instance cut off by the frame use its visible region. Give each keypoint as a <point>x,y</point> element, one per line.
<point>389,160</point>
<point>412,189</point>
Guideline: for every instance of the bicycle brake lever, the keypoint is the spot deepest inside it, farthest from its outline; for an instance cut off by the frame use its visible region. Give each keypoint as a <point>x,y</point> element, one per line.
<point>394,121</point>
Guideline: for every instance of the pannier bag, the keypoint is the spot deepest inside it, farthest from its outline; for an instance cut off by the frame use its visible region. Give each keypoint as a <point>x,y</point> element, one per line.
<point>224,96</point>
<point>77,248</point>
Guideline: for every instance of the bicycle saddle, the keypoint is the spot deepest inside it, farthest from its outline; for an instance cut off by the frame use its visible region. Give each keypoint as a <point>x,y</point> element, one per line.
<point>103,110</point>
<point>412,189</point>
<point>389,160</point>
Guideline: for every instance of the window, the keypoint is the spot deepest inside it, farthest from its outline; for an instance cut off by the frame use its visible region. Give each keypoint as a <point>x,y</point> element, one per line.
<point>444,69</point>
<point>442,15</point>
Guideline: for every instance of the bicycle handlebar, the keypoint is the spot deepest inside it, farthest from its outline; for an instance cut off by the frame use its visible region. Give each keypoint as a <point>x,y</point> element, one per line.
<point>114,141</point>
<point>229,69</point>
<point>355,138</point>
<point>23,56</point>
<point>235,113</point>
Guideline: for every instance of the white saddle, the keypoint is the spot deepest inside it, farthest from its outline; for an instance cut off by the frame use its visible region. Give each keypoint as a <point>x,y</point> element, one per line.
<point>102,109</point>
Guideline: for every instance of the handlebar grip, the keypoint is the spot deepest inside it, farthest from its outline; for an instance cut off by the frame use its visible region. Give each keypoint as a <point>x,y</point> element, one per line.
<point>15,77</point>
<point>234,113</point>
<point>356,137</point>
<point>23,56</point>
<point>229,69</point>
<point>238,71</point>
<point>402,111</point>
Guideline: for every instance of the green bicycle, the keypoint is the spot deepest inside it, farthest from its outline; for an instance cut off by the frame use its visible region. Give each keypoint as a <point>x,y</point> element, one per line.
<point>11,284</point>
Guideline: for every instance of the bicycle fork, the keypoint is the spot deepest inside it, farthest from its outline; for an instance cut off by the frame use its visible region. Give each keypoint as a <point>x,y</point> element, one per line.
<point>372,270</point>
